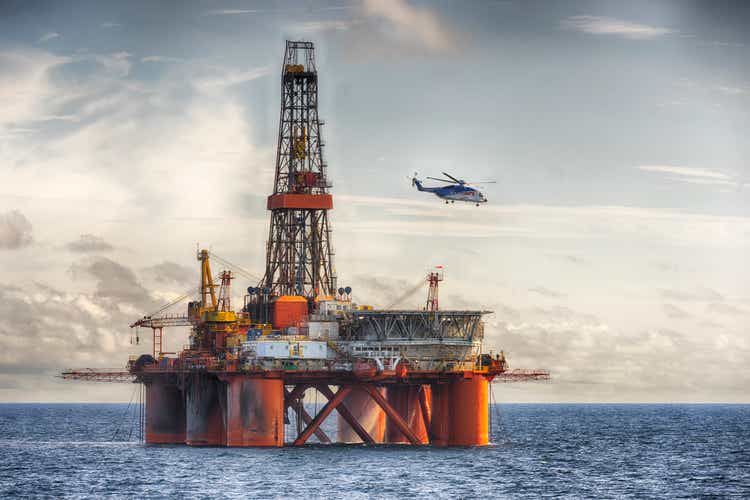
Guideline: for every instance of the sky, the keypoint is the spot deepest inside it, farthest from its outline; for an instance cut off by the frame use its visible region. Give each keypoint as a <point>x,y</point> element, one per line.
<point>612,250</point>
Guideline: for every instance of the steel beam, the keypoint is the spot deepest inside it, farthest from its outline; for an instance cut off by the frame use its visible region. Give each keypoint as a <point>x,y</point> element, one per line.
<point>425,409</point>
<point>322,415</point>
<point>347,415</point>
<point>392,414</point>
<point>300,409</point>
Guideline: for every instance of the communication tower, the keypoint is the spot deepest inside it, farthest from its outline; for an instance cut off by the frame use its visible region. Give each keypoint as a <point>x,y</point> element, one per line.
<point>434,278</point>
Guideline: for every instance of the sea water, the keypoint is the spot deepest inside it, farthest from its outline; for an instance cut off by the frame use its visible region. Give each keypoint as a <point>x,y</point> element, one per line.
<point>561,450</point>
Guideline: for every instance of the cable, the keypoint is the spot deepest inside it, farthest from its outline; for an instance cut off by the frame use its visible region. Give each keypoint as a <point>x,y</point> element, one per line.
<point>236,268</point>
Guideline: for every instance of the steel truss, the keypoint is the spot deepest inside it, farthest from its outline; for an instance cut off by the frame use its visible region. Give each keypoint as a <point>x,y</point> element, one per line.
<point>299,254</point>
<point>414,325</point>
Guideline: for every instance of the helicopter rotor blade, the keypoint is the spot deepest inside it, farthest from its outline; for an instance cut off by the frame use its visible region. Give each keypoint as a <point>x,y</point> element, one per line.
<point>440,180</point>
<point>451,177</point>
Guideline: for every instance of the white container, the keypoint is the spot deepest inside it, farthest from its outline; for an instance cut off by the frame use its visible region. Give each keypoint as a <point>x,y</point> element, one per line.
<point>327,330</point>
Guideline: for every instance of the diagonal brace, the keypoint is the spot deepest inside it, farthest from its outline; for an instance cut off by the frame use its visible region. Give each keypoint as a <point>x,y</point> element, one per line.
<point>347,415</point>
<point>300,408</point>
<point>426,417</point>
<point>296,393</point>
<point>392,414</point>
<point>324,412</point>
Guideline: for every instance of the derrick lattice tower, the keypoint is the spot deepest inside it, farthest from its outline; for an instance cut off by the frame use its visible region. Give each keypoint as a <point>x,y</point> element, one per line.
<point>299,258</point>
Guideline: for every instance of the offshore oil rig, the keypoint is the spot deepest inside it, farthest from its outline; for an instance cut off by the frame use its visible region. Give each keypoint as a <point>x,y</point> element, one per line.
<point>393,376</point>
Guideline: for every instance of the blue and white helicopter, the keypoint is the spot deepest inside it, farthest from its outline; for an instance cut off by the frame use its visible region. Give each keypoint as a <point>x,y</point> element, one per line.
<point>458,190</point>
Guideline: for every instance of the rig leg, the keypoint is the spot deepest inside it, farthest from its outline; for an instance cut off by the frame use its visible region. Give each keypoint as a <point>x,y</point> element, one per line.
<point>405,400</point>
<point>255,412</point>
<point>440,418</point>
<point>459,413</point>
<point>470,415</point>
<point>205,402</point>
<point>165,413</point>
<point>393,415</point>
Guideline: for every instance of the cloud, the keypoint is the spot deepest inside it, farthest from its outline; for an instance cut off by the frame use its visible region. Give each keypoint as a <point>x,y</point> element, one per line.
<point>162,59</point>
<point>26,91</point>
<point>48,36</point>
<point>592,361</point>
<point>171,272</point>
<point>88,243</point>
<point>546,292</point>
<point>725,309</point>
<point>320,26</point>
<point>15,230</point>
<point>110,25</point>
<point>684,171</point>
<point>675,312</point>
<point>229,78</point>
<point>113,281</point>
<point>596,25</point>
<point>117,62</point>
<point>696,295</point>
<point>692,175</point>
<point>725,89</point>
<point>407,24</point>
<point>233,12</point>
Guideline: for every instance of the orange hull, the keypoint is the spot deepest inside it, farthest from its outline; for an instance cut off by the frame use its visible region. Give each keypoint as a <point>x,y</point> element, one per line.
<point>255,412</point>
<point>165,410</point>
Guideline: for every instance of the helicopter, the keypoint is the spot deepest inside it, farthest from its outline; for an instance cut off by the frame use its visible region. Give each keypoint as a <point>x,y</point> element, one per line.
<point>458,190</point>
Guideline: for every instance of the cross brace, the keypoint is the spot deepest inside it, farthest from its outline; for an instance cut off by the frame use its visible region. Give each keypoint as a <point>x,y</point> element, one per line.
<point>322,415</point>
<point>392,414</point>
<point>295,402</point>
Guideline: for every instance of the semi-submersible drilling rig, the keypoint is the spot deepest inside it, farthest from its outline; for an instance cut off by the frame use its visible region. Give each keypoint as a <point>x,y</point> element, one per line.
<point>398,376</point>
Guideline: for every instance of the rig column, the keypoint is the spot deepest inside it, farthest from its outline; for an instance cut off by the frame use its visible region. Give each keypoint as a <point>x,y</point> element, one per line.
<point>165,412</point>
<point>205,405</point>
<point>459,412</point>
<point>255,412</point>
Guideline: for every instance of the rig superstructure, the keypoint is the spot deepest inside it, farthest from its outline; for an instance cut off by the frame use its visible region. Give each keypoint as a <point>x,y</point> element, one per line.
<point>400,376</point>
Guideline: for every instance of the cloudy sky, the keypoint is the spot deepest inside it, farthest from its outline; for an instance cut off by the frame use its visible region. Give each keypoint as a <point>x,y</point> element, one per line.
<point>613,250</point>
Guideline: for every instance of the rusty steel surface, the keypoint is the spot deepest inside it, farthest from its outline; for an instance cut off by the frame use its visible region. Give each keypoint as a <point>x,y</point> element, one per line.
<point>165,410</point>
<point>254,412</point>
<point>204,402</point>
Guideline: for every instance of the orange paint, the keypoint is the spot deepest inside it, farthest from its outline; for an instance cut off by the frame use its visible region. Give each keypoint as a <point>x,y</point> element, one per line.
<point>255,412</point>
<point>405,400</point>
<point>367,412</point>
<point>440,418</point>
<point>289,310</point>
<point>459,412</point>
<point>300,201</point>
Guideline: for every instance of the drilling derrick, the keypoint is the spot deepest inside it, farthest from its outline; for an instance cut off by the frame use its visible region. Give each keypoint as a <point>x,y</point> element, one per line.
<point>299,258</point>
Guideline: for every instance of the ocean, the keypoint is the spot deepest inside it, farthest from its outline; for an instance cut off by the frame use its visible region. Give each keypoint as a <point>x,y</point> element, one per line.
<point>540,450</point>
